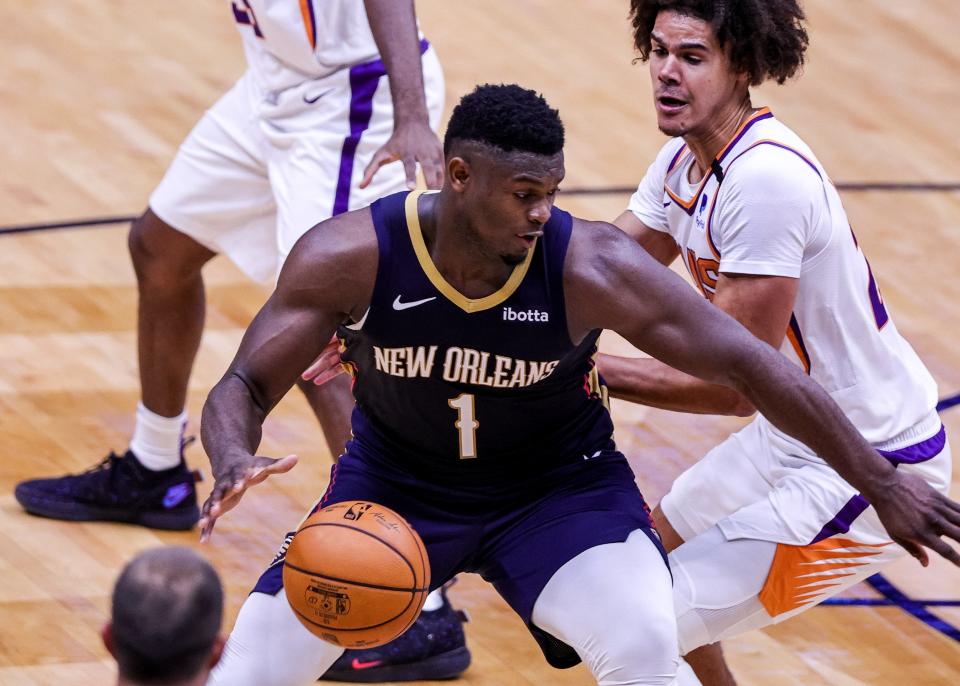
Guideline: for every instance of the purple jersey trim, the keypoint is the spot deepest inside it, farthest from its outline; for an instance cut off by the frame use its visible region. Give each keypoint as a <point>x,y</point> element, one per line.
<point>913,454</point>
<point>364,79</point>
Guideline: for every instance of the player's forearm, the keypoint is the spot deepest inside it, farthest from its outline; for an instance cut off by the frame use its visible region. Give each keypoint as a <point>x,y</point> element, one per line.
<point>650,382</point>
<point>231,423</point>
<point>394,27</point>
<point>800,407</point>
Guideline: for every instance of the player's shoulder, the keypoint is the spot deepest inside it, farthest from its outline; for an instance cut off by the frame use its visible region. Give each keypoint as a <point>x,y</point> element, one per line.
<point>774,152</point>
<point>341,245</point>
<point>776,162</point>
<point>595,250</point>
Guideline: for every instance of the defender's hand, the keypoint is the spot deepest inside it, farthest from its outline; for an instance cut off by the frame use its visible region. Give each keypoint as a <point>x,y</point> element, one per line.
<point>233,481</point>
<point>916,515</point>
<point>326,366</point>
<point>410,143</point>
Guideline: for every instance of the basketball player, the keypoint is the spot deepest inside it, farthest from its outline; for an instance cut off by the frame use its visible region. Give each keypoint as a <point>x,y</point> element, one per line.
<point>165,619</point>
<point>334,90</point>
<point>746,205</point>
<point>469,319</point>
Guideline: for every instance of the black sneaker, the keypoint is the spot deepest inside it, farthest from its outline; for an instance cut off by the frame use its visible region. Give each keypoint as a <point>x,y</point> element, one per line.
<point>118,489</point>
<point>433,648</point>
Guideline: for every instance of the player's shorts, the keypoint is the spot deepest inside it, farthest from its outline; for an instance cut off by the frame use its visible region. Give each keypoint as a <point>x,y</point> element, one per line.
<point>757,485</point>
<point>259,169</point>
<point>515,536</point>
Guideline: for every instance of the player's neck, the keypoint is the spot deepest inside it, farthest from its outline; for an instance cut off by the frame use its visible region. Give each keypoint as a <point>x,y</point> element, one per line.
<point>463,263</point>
<point>706,145</point>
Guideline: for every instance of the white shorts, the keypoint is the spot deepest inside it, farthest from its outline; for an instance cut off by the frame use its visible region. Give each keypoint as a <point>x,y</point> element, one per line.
<point>260,169</point>
<point>757,485</point>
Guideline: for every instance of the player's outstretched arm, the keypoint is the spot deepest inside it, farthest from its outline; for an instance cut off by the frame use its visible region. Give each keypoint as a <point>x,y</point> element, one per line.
<point>763,304</point>
<point>394,28</point>
<point>327,279</point>
<point>612,283</point>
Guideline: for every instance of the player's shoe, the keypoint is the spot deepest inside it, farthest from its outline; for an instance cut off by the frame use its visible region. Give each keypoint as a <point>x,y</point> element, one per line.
<point>118,489</point>
<point>433,648</point>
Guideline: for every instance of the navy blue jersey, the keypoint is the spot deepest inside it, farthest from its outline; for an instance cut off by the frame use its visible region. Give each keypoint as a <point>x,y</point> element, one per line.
<point>469,390</point>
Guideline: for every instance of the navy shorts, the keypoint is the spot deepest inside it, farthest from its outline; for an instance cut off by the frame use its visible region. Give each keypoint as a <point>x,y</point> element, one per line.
<point>516,536</point>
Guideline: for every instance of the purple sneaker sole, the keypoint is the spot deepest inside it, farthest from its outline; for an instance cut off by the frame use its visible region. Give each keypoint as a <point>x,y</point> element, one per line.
<point>180,519</point>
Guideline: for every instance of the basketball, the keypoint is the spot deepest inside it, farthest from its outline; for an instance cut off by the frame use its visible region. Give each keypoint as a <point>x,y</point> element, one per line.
<point>356,574</point>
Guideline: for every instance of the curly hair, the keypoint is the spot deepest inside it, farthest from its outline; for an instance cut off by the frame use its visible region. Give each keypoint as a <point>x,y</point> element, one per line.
<point>507,117</point>
<point>766,38</point>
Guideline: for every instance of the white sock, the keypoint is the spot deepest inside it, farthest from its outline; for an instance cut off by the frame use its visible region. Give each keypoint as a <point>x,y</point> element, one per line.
<point>156,439</point>
<point>433,602</point>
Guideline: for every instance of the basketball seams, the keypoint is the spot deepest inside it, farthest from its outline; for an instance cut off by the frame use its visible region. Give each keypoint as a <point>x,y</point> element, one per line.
<point>375,537</point>
<point>377,587</point>
<point>358,628</point>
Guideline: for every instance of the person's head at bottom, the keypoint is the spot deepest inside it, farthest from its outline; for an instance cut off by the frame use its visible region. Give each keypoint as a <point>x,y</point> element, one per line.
<point>165,620</point>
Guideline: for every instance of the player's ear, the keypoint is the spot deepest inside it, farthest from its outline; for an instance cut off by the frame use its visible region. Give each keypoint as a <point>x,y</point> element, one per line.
<point>217,651</point>
<point>458,171</point>
<point>106,633</point>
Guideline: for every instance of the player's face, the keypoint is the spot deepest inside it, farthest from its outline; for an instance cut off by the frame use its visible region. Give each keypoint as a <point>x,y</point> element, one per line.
<point>512,201</point>
<point>694,84</point>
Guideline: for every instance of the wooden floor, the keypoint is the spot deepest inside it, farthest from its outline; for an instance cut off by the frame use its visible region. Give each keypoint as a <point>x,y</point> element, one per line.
<point>95,97</point>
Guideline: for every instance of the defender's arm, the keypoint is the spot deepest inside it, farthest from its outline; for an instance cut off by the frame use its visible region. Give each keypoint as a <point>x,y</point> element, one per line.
<point>610,282</point>
<point>394,27</point>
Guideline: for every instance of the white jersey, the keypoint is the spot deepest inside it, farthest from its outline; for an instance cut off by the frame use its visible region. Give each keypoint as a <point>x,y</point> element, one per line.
<point>774,211</point>
<point>288,42</point>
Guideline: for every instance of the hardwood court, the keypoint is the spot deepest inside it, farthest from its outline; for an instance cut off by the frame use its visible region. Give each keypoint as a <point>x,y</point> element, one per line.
<point>96,97</point>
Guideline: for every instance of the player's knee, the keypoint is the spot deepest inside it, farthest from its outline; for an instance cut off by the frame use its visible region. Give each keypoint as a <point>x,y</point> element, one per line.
<point>162,256</point>
<point>638,651</point>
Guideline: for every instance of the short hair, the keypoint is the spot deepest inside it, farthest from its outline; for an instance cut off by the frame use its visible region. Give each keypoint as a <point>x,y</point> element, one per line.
<point>167,608</point>
<point>766,38</point>
<point>506,117</point>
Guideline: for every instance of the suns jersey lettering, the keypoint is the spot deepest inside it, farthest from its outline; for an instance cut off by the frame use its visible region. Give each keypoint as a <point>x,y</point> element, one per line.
<point>466,389</point>
<point>776,213</point>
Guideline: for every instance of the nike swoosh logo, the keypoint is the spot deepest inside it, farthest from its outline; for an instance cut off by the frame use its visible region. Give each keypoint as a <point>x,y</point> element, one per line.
<point>310,101</point>
<point>356,664</point>
<point>397,305</point>
<point>175,495</point>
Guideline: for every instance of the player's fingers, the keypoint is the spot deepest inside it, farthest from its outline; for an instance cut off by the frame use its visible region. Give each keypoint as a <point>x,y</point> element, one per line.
<point>949,529</point>
<point>944,549</point>
<point>206,528</point>
<point>315,367</point>
<point>327,358</point>
<point>915,550</point>
<point>950,514</point>
<point>331,372</point>
<point>270,467</point>
<point>951,506</point>
<point>380,158</point>
<point>433,172</point>
<point>410,169</point>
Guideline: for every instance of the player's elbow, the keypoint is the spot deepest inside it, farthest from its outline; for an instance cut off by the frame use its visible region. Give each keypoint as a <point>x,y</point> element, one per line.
<point>739,406</point>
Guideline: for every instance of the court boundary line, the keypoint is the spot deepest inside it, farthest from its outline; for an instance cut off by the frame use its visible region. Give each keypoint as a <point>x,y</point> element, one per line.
<point>848,186</point>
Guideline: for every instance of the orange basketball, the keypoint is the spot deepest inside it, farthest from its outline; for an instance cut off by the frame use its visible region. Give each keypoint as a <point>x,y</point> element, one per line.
<point>356,574</point>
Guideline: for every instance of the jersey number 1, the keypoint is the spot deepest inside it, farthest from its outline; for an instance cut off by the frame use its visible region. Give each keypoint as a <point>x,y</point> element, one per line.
<point>466,424</point>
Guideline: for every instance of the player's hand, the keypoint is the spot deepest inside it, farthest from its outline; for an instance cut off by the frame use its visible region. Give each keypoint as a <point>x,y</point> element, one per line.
<point>410,143</point>
<point>231,483</point>
<point>916,515</point>
<point>326,366</point>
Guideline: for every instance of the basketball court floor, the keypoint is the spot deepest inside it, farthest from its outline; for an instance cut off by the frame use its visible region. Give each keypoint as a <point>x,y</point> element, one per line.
<point>97,95</point>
